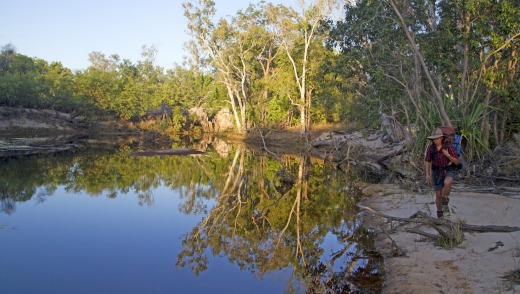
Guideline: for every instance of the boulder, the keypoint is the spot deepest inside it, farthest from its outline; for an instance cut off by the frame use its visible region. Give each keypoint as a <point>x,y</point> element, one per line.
<point>223,120</point>
<point>201,117</point>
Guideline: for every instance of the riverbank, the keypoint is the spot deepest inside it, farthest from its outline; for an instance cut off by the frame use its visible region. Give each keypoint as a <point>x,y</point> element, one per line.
<point>482,263</point>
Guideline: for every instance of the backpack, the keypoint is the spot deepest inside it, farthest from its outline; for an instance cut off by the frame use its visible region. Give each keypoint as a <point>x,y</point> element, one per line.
<point>454,138</point>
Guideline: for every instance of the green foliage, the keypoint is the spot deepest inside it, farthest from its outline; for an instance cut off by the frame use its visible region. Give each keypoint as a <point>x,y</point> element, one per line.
<point>372,50</point>
<point>33,83</point>
<point>191,88</point>
<point>470,50</point>
<point>255,62</point>
<point>469,126</point>
<point>178,119</point>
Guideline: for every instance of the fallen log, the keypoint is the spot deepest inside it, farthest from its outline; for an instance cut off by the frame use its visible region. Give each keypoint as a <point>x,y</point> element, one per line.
<point>495,189</point>
<point>422,218</point>
<point>176,151</point>
<point>450,233</point>
<point>425,234</point>
<point>17,150</point>
<point>511,179</point>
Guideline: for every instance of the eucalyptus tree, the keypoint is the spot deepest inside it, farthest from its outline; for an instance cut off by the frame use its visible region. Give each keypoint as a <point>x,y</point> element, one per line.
<point>227,47</point>
<point>33,83</point>
<point>334,92</point>
<point>245,52</point>
<point>7,52</point>
<point>184,89</point>
<point>265,66</point>
<point>298,33</point>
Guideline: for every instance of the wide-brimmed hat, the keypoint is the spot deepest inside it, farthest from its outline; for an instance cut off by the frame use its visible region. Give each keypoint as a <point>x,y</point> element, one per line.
<point>437,133</point>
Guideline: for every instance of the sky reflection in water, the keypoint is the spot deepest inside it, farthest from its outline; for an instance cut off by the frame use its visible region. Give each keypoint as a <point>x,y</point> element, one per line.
<point>75,243</point>
<point>115,241</point>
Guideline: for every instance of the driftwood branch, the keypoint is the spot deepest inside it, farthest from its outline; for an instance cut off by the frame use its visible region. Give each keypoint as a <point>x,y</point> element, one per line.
<point>511,179</point>
<point>422,233</point>
<point>177,151</point>
<point>8,150</point>
<point>495,189</point>
<point>446,234</point>
<point>422,218</point>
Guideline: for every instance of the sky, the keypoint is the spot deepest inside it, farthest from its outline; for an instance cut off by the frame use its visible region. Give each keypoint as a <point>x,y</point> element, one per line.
<point>68,30</point>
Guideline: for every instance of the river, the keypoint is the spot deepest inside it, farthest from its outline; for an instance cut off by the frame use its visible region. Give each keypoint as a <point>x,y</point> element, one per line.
<point>231,220</point>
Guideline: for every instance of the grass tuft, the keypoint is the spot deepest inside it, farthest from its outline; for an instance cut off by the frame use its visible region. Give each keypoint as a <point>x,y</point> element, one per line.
<point>453,237</point>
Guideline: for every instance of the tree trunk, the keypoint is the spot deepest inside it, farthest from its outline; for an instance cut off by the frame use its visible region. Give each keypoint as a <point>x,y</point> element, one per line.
<point>440,106</point>
<point>240,128</point>
<point>495,128</point>
<point>485,120</point>
<point>465,63</point>
<point>503,126</point>
<point>263,108</point>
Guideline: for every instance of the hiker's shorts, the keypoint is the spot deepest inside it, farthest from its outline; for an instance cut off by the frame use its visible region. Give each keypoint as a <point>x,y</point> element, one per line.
<point>439,177</point>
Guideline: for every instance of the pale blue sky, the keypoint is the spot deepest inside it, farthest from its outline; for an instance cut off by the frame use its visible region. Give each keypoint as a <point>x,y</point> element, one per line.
<point>68,30</point>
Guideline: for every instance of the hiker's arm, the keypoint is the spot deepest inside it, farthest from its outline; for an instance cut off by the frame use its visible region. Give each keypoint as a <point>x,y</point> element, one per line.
<point>452,156</point>
<point>428,171</point>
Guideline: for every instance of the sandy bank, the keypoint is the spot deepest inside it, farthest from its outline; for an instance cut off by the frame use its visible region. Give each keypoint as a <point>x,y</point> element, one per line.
<point>477,265</point>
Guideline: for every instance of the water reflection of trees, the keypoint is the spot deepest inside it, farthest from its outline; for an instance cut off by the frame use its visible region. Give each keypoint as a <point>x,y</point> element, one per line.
<point>263,228</point>
<point>108,172</point>
<point>265,217</point>
<point>21,180</point>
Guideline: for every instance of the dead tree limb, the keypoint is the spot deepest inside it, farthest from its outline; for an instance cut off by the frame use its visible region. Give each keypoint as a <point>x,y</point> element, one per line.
<point>423,218</point>
<point>447,235</point>
<point>176,151</point>
<point>495,189</point>
<point>422,233</point>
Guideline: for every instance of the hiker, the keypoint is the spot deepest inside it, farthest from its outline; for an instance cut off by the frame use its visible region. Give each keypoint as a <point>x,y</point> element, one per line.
<point>440,161</point>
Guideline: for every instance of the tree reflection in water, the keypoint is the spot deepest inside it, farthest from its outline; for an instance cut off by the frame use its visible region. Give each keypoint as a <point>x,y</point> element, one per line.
<point>263,224</point>
<point>265,217</point>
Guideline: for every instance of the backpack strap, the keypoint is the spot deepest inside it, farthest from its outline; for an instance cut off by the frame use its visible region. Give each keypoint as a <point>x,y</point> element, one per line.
<point>433,152</point>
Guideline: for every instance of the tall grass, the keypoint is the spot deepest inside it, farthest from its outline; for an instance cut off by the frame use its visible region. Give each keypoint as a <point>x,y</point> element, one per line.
<point>469,125</point>
<point>467,120</point>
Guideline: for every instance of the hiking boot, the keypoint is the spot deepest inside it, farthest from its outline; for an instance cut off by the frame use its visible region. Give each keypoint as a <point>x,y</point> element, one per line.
<point>440,213</point>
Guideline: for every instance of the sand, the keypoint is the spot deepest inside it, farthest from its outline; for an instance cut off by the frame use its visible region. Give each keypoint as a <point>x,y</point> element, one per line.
<point>470,267</point>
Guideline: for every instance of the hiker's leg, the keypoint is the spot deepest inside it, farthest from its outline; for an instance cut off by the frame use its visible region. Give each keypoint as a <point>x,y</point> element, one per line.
<point>438,185</point>
<point>448,181</point>
<point>447,186</point>
<point>438,196</point>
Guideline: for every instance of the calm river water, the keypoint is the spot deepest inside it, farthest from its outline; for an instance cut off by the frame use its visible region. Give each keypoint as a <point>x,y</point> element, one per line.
<point>232,220</point>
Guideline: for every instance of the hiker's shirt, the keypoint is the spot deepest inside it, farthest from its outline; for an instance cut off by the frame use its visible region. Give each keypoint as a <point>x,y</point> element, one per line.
<point>438,159</point>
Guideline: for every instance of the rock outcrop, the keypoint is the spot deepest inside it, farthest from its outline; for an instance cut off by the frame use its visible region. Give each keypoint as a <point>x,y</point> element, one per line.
<point>375,155</point>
